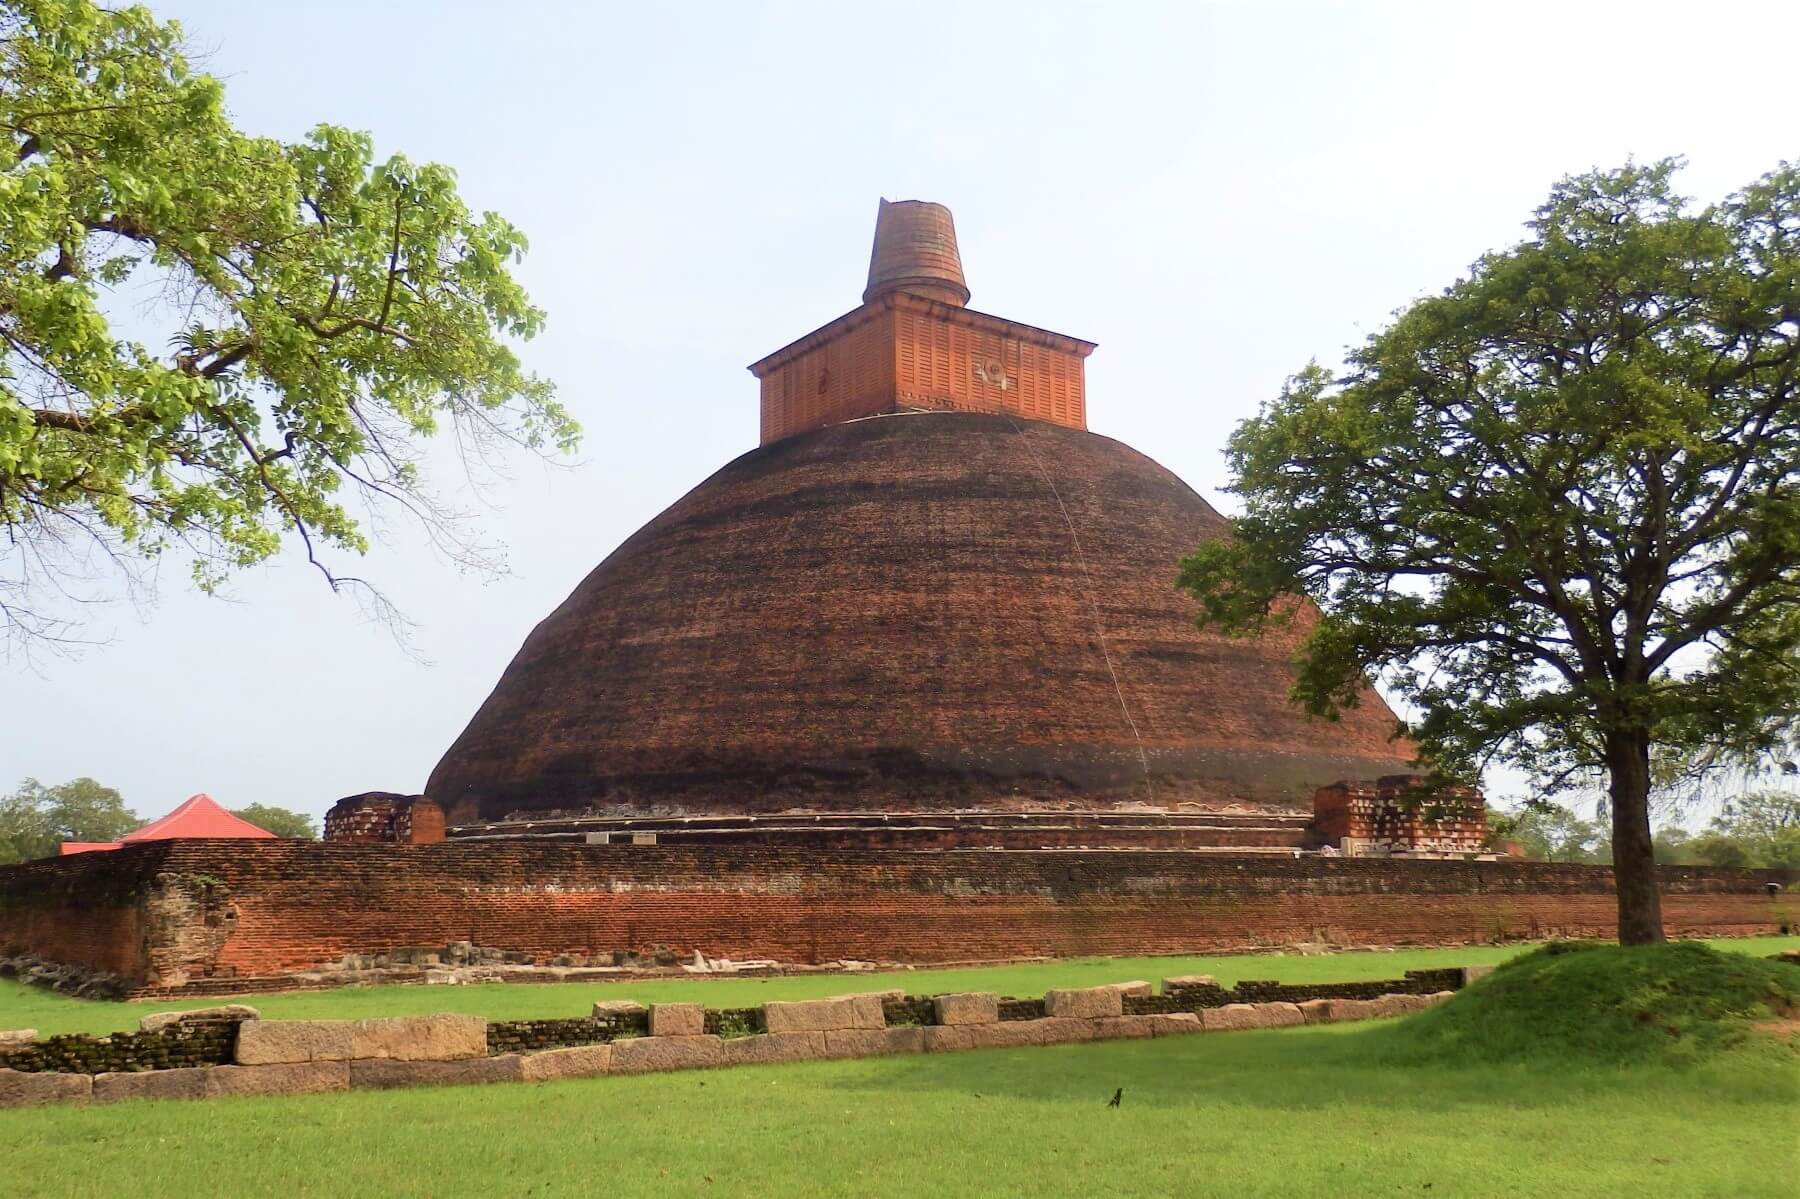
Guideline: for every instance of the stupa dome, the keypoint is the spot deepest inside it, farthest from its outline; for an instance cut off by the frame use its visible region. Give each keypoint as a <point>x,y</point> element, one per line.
<point>915,612</point>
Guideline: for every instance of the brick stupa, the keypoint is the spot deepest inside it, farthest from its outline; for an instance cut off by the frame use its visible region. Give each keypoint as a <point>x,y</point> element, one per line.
<point>930,597</point>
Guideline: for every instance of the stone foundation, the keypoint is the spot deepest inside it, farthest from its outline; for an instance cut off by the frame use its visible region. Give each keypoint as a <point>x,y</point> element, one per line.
<point>272,1057</point>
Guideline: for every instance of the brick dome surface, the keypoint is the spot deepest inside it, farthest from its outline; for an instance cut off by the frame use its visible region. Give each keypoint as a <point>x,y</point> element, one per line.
<point>920,612</point>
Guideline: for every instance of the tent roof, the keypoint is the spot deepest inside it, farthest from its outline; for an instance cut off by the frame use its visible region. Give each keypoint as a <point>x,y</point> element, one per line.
<point>198,817</point>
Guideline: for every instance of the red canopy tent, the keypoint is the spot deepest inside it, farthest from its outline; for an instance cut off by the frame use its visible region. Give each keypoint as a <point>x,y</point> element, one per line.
<point>198,817</point>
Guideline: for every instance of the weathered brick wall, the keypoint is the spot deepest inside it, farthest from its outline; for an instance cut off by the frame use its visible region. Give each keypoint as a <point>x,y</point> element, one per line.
<point>87,908</point>
<point>260,907</point>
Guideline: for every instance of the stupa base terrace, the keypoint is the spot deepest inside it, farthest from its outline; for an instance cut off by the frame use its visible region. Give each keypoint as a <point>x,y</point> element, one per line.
<point>1385,817</point>
<point>167,915</point>
<point>1222,832</point>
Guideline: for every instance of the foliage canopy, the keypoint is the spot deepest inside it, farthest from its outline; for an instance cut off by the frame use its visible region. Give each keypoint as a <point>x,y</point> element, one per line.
<point>283,822</point>
<point>327,312</point>
<point>35,820</point>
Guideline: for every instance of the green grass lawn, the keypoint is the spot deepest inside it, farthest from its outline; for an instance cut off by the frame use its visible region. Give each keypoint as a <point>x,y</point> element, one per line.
<point>1292,1112</point>
<point>1389,1108</point>
<point>32,1007</point>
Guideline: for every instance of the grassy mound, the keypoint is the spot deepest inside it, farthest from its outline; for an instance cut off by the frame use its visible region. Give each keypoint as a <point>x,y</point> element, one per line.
<point>1604,1004</point>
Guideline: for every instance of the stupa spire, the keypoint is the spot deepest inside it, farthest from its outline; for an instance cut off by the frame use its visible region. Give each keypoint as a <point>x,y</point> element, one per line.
<point>915,252</point>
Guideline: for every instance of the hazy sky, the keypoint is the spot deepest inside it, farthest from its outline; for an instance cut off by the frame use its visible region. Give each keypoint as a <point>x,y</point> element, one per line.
<point>1213,194</point>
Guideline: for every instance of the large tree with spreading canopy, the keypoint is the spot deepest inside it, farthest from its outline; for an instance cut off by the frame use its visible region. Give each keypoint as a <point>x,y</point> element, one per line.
<point>319,314</point>
<point>1557,507</point>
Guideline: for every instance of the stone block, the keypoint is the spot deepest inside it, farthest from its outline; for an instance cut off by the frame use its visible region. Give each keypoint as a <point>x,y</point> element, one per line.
<point>292,1078</point>
<point>1437,997</point>
<point>824,1015</point>
<point>1008,1034</point>
<point>644,1055</point>
<point>270,1042</point>
<point>866,1007</point>
<point>948,1039</point>
<point>1233,1016</point>
<point>1399,1005</point>
<point>677,1019</point>
<point>235,1012</point>
<point>581,1061</point>
<point>1471,973</point>
<point>618,1007</point>
<point>1390,1005</point>
<point>773,1047</point>
<point>1083,1003</point>
<point>13,1038</point>
<point>21,1088</point>
<point>873,1042</point>
<point>1137,988</point>
<point>1315,1011</point>
<point>973,1007</point>
<point>186,1083</point>
<point>445,1037</point>
<point>1123,1027</point>
<point>1157,1025</point>
<point>1346,1010</point>
<point>1280,1015</point>
<point>1051,1030</point>
<point>380,1073</point>
<point>1188,980</point>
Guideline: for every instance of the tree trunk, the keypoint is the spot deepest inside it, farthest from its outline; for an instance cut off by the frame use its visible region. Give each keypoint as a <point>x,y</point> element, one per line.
<point>1634,861</point>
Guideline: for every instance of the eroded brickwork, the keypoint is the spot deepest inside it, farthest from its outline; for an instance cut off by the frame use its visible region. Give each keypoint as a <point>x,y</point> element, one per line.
<point>188,919</point>
<point>1387,815</point>
<point>299,903</point>
<point>383,816</point>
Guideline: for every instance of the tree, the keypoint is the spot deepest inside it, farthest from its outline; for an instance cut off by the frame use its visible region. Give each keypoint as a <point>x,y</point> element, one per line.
<point>326,314</point>
<point>1765,823</point>
<point>35,819</point>
<point>280,821</point>
<point>1556,507</point>
<point>1671,843</point>
<point>1719,849</point>
<point>1550,833</point>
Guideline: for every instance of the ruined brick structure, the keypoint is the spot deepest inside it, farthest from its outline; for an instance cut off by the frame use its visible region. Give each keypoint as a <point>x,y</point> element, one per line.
<point>176,912</point>
<point>385,817</point>
<point>1390,816</point>
<point>930,592</point>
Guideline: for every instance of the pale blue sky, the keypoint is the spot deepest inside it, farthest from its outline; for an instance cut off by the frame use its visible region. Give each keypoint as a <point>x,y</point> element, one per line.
<point>1215,194</point>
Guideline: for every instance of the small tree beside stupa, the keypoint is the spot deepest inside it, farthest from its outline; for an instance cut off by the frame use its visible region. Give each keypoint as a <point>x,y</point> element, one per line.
<point>1557,507</point>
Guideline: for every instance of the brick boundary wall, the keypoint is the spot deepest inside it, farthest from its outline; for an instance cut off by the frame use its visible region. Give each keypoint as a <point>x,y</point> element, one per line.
<point>172,913</point>
<point>271,1057</point>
